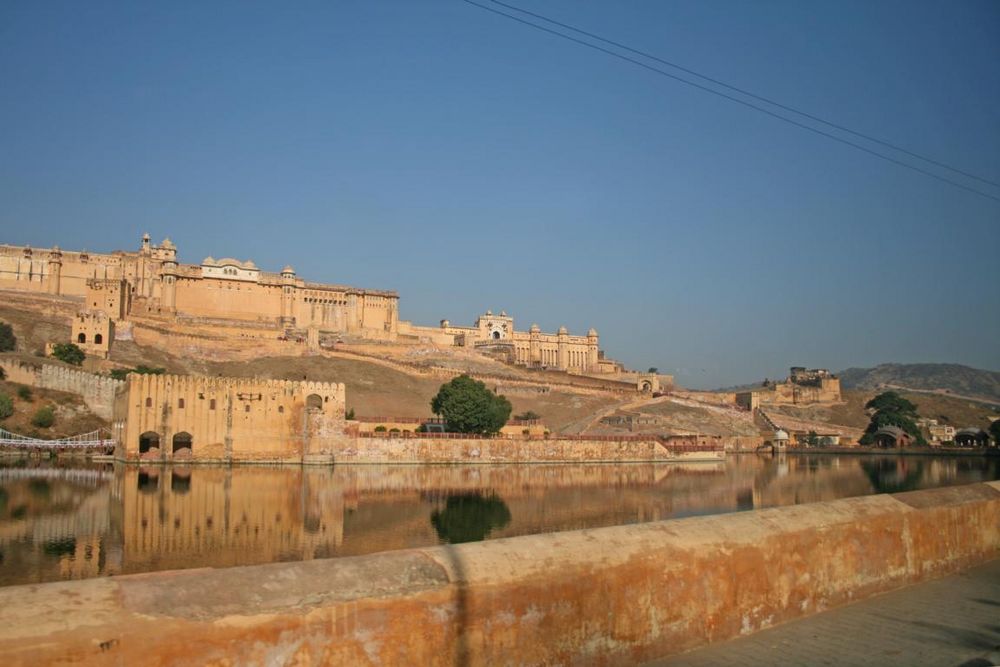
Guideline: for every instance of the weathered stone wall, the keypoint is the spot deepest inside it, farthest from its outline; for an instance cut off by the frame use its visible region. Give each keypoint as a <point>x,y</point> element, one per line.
<point>605,596</point>
<point>98,392</point>
<point>515,449</point>
<point>227,419</point>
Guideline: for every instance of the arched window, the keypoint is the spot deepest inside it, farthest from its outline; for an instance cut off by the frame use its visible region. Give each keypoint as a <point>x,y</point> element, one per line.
<point>98,339</point>
<point>281,409</point>
<point>81,338</point>
<point>149,402</point>
<point>211,404</point>
<point>149,440</point>
<point>180,403</point>
<point>182,440</point>
<point>314,402</point>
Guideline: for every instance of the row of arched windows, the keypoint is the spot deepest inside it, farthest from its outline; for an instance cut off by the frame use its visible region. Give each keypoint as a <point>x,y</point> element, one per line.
<point>82,338</point>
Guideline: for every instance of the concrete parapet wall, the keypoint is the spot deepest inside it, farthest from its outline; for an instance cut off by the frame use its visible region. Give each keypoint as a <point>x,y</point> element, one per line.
<point>98,392</point>
<point>604,596</point>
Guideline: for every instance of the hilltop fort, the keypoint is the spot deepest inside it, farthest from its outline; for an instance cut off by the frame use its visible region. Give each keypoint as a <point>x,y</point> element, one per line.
<point>230,300</point>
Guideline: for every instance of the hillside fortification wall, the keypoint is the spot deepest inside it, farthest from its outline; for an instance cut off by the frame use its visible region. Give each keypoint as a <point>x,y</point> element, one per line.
<point>97,392</point>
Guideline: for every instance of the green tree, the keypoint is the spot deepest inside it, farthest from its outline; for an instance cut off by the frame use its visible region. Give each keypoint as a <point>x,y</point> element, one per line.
<point>44,418</point>
<point>891,409</point>
<point>995,432</point>
<point>349,414</point>
<point>68,352</point>
<point>890,401</point>
<point>812,439</point>
<point>528,416</point>
<point>6,406</point>
<point>468,406</point>
<point>653,369</point>
<point>24,393</point>
<point>7,339</point>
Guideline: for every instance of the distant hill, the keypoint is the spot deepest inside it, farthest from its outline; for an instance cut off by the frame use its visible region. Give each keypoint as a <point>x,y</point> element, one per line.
<point>952,379</point>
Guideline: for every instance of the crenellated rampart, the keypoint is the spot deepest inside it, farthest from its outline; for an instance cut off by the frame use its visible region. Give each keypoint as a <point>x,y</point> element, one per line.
<point>98,392</point>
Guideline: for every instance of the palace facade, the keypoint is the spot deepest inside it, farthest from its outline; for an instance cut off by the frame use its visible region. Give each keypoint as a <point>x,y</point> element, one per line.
<point>150,281</point>
<point>496,335</point>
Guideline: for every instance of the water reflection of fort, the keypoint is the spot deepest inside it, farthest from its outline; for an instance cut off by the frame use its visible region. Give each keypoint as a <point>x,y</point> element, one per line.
<point>117,519</point>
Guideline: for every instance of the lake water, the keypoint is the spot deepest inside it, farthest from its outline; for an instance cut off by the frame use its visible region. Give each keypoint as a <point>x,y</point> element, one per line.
<point>72,521</point>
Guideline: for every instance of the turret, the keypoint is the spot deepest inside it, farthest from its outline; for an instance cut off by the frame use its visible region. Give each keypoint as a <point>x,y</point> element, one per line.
<point>563,348</point>
<point>168,273</point>
<point>534,345</point>
<point>55,270</point>
<point>288,297</point>
<point>593,347</point>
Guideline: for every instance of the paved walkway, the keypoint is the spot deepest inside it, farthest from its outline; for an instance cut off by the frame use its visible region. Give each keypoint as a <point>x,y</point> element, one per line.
<point>942,623</point>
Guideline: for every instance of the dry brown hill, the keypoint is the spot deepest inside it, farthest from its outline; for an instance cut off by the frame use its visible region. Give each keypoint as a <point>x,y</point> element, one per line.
<point>72,417</point>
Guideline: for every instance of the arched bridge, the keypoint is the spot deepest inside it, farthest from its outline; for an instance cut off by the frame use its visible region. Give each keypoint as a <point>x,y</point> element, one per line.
<point>92,441</point>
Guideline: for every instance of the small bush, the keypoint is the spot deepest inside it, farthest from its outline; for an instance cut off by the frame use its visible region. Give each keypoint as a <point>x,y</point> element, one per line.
<point>349,414</point>
<point>380,429</point>
<point>69,353</point>
<point>394,431</point>
<point>6,406</point>
<point>24,393</point>
<point>7,340</point>
<point>44,417</point>
<point>121,373</point>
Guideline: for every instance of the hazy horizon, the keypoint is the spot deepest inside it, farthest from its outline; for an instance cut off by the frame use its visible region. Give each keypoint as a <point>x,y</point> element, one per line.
<point>471,163</point>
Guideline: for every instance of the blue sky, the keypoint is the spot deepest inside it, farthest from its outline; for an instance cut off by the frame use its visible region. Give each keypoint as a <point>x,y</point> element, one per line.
<point>470,163</point>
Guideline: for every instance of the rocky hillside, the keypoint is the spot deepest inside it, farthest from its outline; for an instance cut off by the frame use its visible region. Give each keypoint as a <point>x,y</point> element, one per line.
<point>939,378</point>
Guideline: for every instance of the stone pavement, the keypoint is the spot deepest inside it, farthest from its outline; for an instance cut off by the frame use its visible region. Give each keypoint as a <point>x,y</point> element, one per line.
<point>945,623</point>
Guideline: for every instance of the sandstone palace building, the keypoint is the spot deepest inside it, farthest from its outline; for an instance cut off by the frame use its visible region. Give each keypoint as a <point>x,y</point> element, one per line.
<point>152,281</point>
<point>236,298</point>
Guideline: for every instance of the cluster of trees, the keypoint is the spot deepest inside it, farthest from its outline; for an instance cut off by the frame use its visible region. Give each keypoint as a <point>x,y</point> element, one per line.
<point>69,353</point>
<point>8,343</point>
<point>468,406</point>
<point>122,373</point>
<point>891,409</point>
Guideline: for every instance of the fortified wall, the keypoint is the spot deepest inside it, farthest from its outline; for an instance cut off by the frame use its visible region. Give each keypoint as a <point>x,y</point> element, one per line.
<point>802,387</point>
<point>176,417</point>
<point>98,392</point>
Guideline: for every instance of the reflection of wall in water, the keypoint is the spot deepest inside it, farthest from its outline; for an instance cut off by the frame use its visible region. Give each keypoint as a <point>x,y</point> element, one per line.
<point>54,523</point>
<point>177,517</point>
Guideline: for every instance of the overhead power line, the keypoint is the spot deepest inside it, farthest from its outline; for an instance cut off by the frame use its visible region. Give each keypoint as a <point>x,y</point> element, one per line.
<point>737,100</point>
<point>743,91</point>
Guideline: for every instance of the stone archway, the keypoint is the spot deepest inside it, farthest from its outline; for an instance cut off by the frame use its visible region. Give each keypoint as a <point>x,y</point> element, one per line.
<point>149,440</point>
<point>314,402</point>
<point>182,443</point>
